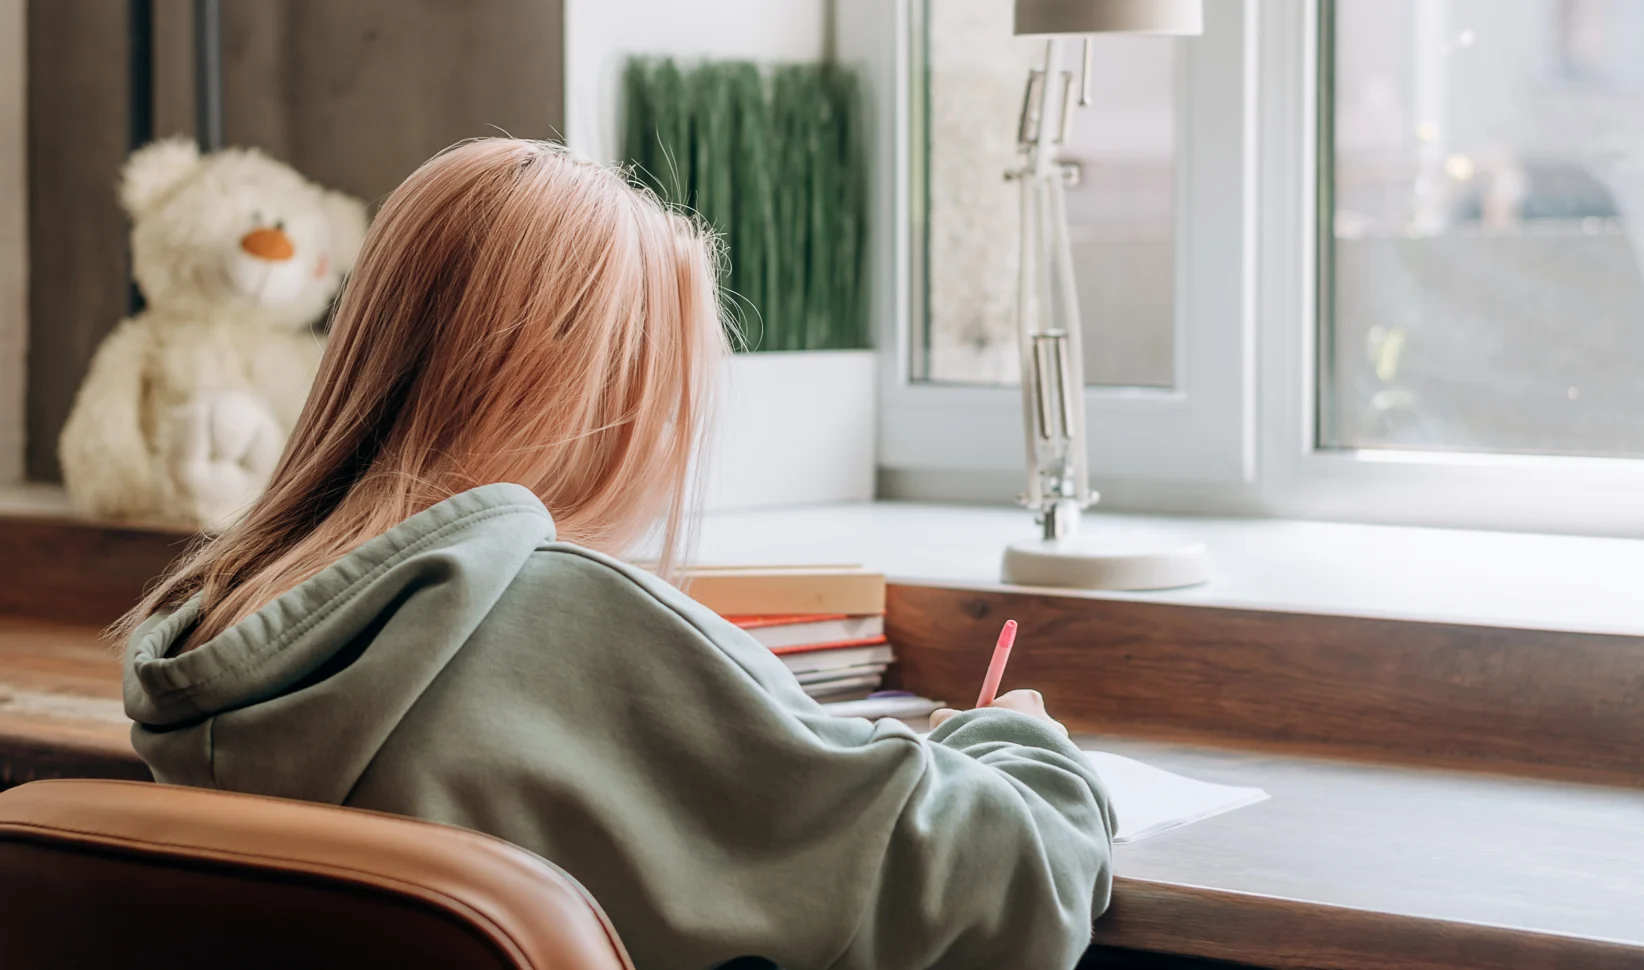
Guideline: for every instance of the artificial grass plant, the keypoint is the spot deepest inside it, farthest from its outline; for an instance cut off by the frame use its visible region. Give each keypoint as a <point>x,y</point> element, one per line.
<point>774,161</point>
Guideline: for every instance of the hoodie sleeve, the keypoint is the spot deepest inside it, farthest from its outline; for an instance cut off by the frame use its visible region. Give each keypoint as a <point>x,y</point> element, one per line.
<point>675,768</point>
<point>999,856</point>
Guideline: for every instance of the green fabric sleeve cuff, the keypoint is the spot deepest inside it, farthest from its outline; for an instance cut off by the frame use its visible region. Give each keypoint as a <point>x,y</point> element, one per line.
<point>992,725</point>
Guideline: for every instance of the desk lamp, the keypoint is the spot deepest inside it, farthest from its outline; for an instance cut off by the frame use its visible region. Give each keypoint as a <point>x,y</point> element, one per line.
<point>1047,315</point>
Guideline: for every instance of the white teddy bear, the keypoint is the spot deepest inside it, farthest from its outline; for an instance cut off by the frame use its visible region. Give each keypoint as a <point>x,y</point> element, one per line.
<point>187,405</point>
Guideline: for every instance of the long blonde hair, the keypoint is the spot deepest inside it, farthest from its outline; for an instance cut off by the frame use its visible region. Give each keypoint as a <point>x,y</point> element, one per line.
<point>517,315</point>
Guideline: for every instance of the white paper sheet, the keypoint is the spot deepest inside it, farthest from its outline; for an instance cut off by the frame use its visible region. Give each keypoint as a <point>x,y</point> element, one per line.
<point>1149,800</point>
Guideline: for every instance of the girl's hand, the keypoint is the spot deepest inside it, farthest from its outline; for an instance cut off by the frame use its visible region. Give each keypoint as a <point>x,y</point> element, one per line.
<point>1029,702</point>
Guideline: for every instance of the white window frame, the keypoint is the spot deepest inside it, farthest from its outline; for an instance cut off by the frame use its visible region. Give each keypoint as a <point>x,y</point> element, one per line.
<point>1238,432</point>
<point>1194,431</point>
<point>1530,493</point>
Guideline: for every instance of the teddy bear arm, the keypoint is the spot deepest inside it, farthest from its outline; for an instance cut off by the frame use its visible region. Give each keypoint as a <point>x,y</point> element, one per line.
<point>108,462</point>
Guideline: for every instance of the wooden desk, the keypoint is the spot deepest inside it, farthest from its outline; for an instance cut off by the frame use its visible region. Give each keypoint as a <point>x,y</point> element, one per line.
<point>1360,866</point>
<point>1349,866</point>
<point>60,709</point>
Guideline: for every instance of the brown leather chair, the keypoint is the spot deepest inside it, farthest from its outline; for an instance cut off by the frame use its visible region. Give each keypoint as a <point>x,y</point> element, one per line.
<point>103,874</point>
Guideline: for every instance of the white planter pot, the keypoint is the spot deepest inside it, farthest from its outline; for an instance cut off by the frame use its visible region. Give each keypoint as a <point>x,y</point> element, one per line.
<point>794,428</point>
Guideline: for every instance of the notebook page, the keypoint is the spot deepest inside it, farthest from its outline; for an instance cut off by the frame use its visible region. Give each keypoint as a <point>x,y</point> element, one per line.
<point>1149,800</point>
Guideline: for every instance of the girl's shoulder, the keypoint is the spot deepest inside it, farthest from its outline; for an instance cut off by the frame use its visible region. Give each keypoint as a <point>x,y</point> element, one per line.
<point>588,599</point>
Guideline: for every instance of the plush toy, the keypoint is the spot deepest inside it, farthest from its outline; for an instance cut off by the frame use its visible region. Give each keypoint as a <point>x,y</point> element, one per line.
<point>187,405</point>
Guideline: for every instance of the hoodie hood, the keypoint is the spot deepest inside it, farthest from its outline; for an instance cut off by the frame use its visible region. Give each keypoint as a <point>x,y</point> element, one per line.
<point>268,706</point>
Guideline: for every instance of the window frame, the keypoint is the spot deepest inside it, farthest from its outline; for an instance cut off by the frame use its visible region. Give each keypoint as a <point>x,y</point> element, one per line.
<point>1239,433</point>
<point>1300,479</point>
<point>1193,431</point>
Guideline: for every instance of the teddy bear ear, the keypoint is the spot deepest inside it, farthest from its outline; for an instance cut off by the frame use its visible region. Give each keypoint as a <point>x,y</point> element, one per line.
<point>346,217</point>
<point>154,170</point>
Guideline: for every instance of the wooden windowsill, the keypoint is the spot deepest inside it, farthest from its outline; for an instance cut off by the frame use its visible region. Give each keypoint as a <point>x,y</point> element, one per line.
<point>1527,702</point>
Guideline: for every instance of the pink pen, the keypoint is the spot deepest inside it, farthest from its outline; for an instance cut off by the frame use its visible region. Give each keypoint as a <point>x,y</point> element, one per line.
<point>996,667</point>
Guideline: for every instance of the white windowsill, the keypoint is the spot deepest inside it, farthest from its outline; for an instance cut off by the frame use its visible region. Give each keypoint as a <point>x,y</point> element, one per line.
<point>1517,580</point>
<point>1503,579</point>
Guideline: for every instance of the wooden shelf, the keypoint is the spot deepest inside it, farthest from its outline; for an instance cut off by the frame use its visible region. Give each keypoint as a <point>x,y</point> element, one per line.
<point>79,571</point>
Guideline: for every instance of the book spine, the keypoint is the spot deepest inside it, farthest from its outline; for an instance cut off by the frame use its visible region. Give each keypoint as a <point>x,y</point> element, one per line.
<point>753,595</point>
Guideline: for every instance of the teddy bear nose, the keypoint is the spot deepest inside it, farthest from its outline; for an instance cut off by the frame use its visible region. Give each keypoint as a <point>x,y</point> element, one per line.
<point>271,244</point>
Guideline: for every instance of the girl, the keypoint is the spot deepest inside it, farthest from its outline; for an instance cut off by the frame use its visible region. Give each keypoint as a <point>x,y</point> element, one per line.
<point>423,615</point>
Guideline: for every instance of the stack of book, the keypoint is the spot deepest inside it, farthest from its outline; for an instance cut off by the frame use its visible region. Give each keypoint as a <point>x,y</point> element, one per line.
<point>827,623</point>
<point>835,658</point>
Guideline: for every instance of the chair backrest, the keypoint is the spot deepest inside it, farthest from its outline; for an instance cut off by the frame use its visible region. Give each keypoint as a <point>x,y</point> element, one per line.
<point>129,874</point>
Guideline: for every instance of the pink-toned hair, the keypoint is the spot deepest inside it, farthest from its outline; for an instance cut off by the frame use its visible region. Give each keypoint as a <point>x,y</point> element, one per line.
<point>517,315</point>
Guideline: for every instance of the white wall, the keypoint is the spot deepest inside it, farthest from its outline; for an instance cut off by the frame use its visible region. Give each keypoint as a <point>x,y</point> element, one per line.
<point>14,307</point>
<point>793,428</point>
<point>773,444</point>
<point>601,34</point>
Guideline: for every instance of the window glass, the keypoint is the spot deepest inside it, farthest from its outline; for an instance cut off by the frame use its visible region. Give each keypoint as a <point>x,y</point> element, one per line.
<point>1486,166</point>
<point>1120,212</point>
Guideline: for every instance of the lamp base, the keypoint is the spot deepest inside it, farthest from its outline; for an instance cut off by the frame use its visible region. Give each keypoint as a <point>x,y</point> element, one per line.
<point>1105,562</point>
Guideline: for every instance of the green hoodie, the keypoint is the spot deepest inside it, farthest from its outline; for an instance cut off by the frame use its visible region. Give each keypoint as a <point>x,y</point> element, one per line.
<point>466,668</point>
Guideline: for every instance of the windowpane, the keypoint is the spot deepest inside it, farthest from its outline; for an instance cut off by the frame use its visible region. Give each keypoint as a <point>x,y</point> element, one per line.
<point>1120,212</point>
<point>1485,291</point>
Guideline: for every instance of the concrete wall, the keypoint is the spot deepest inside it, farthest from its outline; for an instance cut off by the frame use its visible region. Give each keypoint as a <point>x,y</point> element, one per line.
<point>76,234</point>
<point>358,94</point>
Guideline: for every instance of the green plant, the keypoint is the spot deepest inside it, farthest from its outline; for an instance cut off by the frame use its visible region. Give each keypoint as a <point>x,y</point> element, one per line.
<point>775,163</point>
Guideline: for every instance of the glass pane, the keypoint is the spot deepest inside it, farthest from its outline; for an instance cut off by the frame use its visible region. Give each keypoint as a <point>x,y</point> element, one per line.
<point>1120,213</point>
<point>1489,169</point>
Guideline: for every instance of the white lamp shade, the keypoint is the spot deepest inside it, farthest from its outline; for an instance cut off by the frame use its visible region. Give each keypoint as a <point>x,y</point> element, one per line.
<point>1168,17</point>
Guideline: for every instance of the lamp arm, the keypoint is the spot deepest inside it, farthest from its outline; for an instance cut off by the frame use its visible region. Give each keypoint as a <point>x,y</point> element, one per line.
<point>1047,312</point>
<point>1071,323</point>
<point>1048,324</point>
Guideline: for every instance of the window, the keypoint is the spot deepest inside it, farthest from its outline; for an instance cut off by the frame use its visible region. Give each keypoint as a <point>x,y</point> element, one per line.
<point>1120,206</point>
<point>1402,285</point>
<point>1165,360</point>
<point>1485,289</point>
